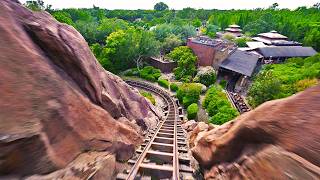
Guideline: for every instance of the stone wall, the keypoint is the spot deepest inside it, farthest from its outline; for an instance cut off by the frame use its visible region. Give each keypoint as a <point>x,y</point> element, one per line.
<point>164,66</point>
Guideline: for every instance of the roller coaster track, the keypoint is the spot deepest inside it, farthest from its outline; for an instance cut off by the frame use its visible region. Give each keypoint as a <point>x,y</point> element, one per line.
<point>164,153</point>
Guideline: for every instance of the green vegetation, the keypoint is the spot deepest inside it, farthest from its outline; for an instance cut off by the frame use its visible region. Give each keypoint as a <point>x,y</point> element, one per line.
<point>223,83</point>
<point>161,6</point>
<point>37,5</point>
<point>192,111</point>
<point>125,49</point>
<point>148,96</point>
<point>174,87</point>
<point>121,39</point>
<point>186,63</point>
<point>164,83</point>
<point>218,107</point>
<point>189,93</point>
<point>207,78</point>
<point>281,80</point>
<point>148,73</point>
<point>241,42</point>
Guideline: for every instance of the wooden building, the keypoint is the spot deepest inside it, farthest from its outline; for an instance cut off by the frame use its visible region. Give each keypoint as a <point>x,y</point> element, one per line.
<point>278,54</point>
<point>234,30</point>
<point>238,68</point>
<point>210,52</point>
<point>273,38</point>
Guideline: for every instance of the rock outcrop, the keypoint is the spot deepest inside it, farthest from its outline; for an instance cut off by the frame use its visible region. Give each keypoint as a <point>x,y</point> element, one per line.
<point>56,101</point>
<point>277,140</point>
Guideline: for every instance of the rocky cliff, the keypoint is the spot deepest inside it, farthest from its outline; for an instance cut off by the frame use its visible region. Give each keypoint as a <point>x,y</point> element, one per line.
<point>58,106</point>
<point>277,140</point>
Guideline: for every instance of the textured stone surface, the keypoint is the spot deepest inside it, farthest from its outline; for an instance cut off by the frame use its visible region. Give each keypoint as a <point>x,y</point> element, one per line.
<point>56,100</point>
<point>277,140</point>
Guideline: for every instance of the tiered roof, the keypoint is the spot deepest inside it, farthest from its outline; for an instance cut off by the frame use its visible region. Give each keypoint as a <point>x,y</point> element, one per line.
<point>233,28</point>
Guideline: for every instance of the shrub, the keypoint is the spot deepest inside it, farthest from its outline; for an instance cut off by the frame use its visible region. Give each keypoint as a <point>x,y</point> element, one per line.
<point>174,87</point>
<point>148,96</point>
<point>192,111</point>
<point>281,80</point>
<point>132,72</point>
<point>223,83</point>
<point>164,83</point>
<point>304,84</point>
<point>189,93</point>
<point>218,107</point>
<point>150,73</point>
<point>206,78</point>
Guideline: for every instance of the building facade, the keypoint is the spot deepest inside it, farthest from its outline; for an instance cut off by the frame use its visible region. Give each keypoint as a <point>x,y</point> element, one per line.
<point>210,52</point>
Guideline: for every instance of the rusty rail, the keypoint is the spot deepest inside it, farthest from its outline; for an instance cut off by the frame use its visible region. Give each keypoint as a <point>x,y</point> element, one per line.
<point>164,153</point>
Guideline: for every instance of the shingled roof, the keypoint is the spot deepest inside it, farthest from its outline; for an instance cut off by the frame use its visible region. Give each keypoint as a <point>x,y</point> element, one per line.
<point>241,62</point>
<point>287,51</point>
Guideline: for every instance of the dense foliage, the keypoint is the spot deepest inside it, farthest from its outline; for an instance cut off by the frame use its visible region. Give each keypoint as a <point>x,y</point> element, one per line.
<point>174,87</point>
<point>148,73</point>
<point>192,111</point>
<point>164,83</point>
<point>186,63</point>
<point>206,77</point>
<point>148,96</point>
<point>163,29</point>
<point>125,49</point>
<point>218,107</point>
<point>281,80</point>
<point>189,93</point>
<point>161,6</point>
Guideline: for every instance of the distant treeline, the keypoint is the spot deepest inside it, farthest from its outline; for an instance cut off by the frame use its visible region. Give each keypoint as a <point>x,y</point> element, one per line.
<point>302,24</point>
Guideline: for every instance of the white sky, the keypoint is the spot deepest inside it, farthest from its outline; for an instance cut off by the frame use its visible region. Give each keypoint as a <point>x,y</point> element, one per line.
<point>178,4</point>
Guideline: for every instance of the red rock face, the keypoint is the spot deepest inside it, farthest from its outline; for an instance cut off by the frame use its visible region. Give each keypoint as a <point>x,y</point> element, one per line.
<point>277,140</point>
<point>56,100</point>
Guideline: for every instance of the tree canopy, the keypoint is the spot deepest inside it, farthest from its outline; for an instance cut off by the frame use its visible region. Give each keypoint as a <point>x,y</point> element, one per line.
<point>161,6</point>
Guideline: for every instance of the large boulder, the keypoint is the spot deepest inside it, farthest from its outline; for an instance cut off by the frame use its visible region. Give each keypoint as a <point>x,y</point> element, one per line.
<point>277,140</point>
<point>56,101</point>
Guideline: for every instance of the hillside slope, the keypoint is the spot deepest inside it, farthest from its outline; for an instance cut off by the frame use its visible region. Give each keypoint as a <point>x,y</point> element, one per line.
<point>57,103</point>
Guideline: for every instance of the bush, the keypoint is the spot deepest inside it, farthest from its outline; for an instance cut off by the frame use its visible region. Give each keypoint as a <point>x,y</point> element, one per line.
<point>223,83</point>
<point>192,111</point>
<point>281,80</point>
<point>206,78</point>
<point>132,72</point>
<point>150,73</point>
<point>304,84</point>
<point>174,87</point>
<point>148,96</point>
<point>189,93</point>
<point>164,83</point>
<point>218,106</point>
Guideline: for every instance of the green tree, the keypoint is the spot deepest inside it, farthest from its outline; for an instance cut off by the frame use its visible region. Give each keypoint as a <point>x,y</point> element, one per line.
<point>63,17</point>
<point>170,42</point>
<point>35,5</point>
<point>186,63</point>
<point>312,38</point>
<point>129,47</point>
<point>265,88</point>
<point>211,30</point>
<point>161,6</point>
<point>196,22</point>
